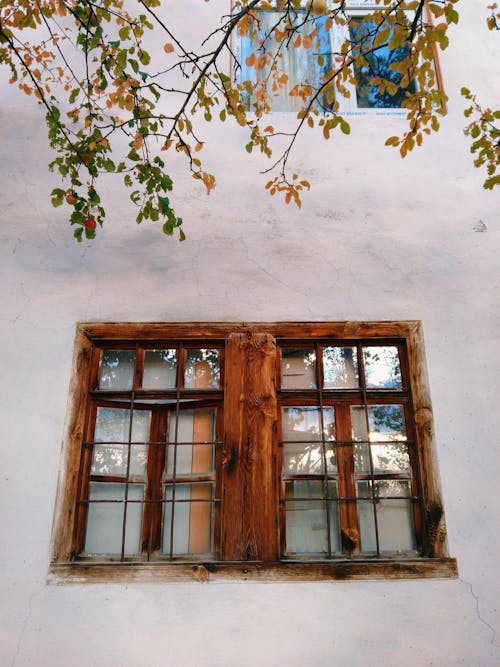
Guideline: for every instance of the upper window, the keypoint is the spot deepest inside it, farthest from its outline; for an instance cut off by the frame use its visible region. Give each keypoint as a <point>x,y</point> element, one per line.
<point>268,444</point>
<point>283,74</point>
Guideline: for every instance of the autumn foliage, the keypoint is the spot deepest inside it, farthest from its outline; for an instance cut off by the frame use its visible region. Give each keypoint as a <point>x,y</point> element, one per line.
<point>111,87</point>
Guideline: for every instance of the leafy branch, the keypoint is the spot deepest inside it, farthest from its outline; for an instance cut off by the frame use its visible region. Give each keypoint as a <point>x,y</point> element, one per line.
<point>114,88</point>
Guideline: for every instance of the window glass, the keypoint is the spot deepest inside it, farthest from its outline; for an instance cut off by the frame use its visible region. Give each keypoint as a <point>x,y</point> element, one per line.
<point>112,427</point>
<point>384,501</point>
<point>298,369</point>
<point>387,431</point>
<point>191,426</point>
<point>340,367</point>
<point>288,76</point>
<point>382,367</point>
<point>202,369</point>
<point>188,519</point>
<point>106,515</point>
<point>160,369</point>
<point>311,520</point>
<point>117,370</point>
<point>377,63</point>
<point>302,453</point>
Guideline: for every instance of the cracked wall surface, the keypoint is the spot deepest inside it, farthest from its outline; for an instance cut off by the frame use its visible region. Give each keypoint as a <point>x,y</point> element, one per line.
<point>377,238</point>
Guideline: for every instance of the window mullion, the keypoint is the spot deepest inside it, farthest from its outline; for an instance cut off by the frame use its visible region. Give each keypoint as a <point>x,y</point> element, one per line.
<point>349,528</point>
<point>155,464</point>
<point>249,503</point>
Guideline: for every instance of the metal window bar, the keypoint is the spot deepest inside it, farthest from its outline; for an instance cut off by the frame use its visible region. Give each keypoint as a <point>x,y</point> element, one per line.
<point>180,378</point>
<point>319,382</point>
<point>129,447</point>
<point>362,387</point>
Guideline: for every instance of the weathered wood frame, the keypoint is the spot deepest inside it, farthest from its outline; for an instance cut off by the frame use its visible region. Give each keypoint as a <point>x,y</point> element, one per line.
<point>253,539</point>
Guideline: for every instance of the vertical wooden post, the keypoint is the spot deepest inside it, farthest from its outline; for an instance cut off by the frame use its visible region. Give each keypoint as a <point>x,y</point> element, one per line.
<point>250,501</point>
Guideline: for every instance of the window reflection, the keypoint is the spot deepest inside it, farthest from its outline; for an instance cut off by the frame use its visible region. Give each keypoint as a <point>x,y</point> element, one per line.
<point>202,369</point>
<point>392,505</point>
<point>117,370</point>
<point>310,527</point>
<point>286,77</point>
<point>160,369</point>
<point>298,369</point>
<point>340,367</point>
<point>382,367</point>
<point>377,63</point>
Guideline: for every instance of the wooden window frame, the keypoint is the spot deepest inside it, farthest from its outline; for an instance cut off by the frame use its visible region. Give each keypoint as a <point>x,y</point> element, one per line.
<point>249,540</point>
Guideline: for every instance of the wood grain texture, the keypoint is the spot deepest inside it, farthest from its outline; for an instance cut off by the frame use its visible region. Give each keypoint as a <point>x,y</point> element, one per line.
<point>64,517</point>
<point>132,331</point>
<point>424,427</point>
<point>78,573</point>
<point>249,507</point>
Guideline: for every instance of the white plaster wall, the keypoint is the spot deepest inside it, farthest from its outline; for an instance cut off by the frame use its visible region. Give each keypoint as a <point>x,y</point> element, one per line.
<point>377,238</point>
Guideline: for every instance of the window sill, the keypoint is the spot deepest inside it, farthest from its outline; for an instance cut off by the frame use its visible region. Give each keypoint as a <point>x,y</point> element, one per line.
<point>80,573</point>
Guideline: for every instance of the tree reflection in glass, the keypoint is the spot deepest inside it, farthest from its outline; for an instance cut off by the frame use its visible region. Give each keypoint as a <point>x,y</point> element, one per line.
<point>340,368</point>
<point>382,367</point>
<point>112,427</point>
<point>396,531</point>
<point>302,440</point>
<point>202,369</point>
<point>160,369</point>
<point>117,370</point>
<point>386,426</point>
<point>298,368</point>
<point>377,63</point>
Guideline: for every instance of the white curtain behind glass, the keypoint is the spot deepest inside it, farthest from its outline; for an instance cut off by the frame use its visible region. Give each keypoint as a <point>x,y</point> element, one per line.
<point>300,64</point>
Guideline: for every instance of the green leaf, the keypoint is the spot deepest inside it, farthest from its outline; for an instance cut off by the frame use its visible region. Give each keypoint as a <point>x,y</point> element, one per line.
<point>57,197</point>
<point>164,204</point>
<point>345,127</point>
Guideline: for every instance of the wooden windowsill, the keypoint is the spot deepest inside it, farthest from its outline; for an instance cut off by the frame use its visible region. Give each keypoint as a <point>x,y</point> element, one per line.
<point>418,568</point>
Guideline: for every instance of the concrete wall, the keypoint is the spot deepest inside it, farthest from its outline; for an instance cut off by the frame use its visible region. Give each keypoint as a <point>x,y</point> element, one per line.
<point>377,238</point>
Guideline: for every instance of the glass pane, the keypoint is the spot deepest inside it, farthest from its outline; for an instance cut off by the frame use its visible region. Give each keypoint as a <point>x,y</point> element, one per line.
<point>340,368</point>
<point>160,369</point>
<point>390,458</point>
<point>202,369</point>
<point>303,423</point>
<point>382,368</point>
<point>112,426</point>
<point>307,520</point>
<point>386,422</point>
<point>298,369</point>
<point>117,369</point>
<point>387,427</point>
<point>305,68</point>
<point>105,519</point>
<point>112,460</point>
<point>394,517</point>
<point>377,63</point>
<point>193,426</point>
<point>192,516</point>
<point>307,459</point>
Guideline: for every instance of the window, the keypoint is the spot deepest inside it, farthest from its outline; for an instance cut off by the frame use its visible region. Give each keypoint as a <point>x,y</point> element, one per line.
<point>283,78</point>
<point>300,450</point>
